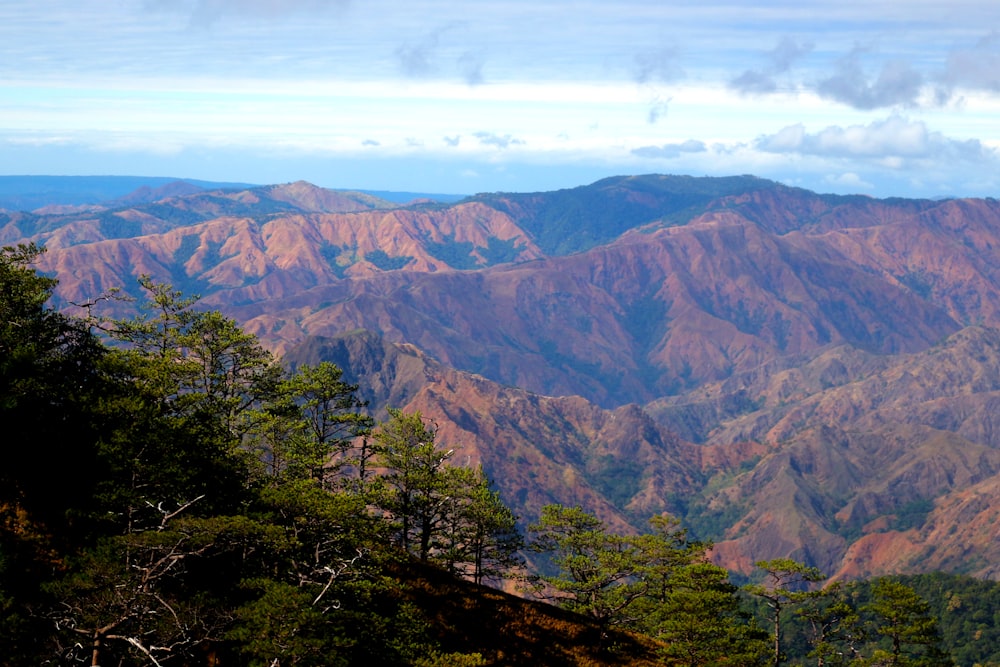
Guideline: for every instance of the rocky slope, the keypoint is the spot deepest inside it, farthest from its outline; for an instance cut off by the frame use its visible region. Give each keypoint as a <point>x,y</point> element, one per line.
<point>794,374</point>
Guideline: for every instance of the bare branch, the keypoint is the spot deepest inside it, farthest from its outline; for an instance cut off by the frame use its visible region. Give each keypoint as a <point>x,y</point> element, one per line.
<point>334,574</point>
<point>167,516</point>
<point>136,643</point>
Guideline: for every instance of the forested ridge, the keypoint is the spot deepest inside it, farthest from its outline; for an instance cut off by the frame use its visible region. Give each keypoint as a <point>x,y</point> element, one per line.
<point>172,495</point>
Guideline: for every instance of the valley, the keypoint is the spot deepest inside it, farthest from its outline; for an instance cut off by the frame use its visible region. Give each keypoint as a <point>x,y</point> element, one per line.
<point>791,374</point>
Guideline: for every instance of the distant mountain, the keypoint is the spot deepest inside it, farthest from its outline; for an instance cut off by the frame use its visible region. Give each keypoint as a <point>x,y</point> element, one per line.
<point>793,374</point>
<point>403,197</point>
<point>148,194</point>
<point>27,193</point>
<point>571,220</point>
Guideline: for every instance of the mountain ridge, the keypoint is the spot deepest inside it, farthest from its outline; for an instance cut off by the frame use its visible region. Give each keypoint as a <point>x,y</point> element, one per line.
<point>792,374</point>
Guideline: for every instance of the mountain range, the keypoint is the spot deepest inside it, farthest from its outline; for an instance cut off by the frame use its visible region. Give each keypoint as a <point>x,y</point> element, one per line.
<point>792,374</point>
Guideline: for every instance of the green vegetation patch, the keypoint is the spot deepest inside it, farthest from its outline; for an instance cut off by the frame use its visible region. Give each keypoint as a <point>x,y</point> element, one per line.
<point>185,251</point>
<point>384,262</point>
<point>456,254</point>
<point>498,251</point>
<point>337,258</point>
<point>619,480</point>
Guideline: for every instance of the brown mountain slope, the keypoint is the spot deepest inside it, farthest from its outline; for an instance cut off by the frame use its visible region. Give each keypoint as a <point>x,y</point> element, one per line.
<point>827,487</point>
<point>538,449</point>
<point>952,386</point>
<point>242,259</point>
<point>795,337</point>
<point>858,440</point>
<point>847,500</point>
<point>960,534</point>
<point>150,212</point>
<point>147,194</point>
<point>520,632</point>
<point>651,314</point>
<point>749,279</point>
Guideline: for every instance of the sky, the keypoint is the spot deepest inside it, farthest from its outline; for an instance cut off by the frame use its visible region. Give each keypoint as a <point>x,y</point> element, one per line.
<point>876,97</point>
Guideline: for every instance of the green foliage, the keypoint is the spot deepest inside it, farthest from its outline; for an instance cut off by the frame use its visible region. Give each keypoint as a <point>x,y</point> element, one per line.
<point>384,262</point>
<point>329,407</point>
<point>437,659</point>
<point>135,596</point>
<point>786,584</point>
<point>833,628</point>
<point>690,605</point>
<point>480,539</point>
<point>440,513</point>
<point>204,498</point>
<point>903,619</point>
<point>499,252</point>
<point>415,480</point>
<point>701,621</point>
<point>335,258</point>
<point>462,254</point>
<point>281,624</point>
<point>658,583</point>
<point>912,514</point>
<point>887,621</point>
<point>618,479</point>
<point>968,614</point>
<point>598,572</point>
<point>711,523</point>
<point>49,371</point>
<point>456,254</point>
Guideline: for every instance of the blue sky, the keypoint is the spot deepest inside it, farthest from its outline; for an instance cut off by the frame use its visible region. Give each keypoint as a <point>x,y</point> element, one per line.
<point>875,97</point>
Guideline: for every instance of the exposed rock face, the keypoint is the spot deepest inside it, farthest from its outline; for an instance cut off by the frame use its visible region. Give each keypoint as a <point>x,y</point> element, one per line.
<point>795,374</point>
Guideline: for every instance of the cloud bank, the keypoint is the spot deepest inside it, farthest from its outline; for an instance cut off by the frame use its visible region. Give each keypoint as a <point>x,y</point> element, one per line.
<point>894,138</point>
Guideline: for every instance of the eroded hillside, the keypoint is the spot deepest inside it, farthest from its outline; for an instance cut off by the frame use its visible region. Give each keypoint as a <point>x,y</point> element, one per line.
<point>794,374</point>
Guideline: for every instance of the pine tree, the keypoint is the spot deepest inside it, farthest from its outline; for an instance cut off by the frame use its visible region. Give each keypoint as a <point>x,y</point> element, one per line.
<point>701,621</point>
<point>598,573</point>
<point>480,540</point>
<point>903,618</point>
<point>785,585</point>
<point>416,492</point>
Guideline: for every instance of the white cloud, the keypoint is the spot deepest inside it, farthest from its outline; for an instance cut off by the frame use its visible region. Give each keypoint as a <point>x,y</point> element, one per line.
<point>658,108</point>
<point>976,67</point>
<point>897,84</point>
<point>850,181</point>
<point>777,61</point>
<point>895,138</point>
<point>496,140</point>
<point>471,67</point>
<point>659,64</point>
<point>418,59</point>
<point>668,151</point>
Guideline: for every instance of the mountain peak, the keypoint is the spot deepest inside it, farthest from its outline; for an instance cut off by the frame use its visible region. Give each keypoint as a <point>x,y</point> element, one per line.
<point>312,198</point>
